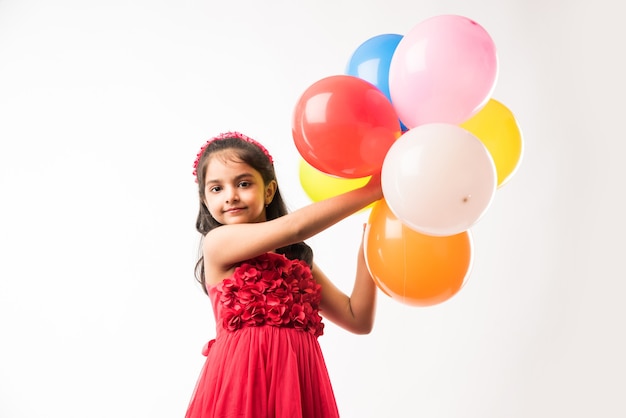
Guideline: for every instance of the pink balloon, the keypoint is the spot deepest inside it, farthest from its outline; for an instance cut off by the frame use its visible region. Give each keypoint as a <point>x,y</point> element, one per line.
<point>443,70</point>
<point>438,179</point>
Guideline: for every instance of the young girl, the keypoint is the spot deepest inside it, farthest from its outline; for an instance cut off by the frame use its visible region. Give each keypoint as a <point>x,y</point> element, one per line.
<point>266,292</point>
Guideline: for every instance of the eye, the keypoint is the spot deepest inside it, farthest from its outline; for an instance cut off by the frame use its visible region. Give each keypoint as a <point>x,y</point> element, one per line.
<point>214,189</point>
<point>244,184</point>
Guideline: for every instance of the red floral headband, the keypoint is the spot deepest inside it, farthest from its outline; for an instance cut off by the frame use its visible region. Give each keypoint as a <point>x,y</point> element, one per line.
<point>226,135</point>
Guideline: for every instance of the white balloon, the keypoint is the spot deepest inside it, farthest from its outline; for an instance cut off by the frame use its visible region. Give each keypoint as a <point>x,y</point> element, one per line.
<point>438,179</point>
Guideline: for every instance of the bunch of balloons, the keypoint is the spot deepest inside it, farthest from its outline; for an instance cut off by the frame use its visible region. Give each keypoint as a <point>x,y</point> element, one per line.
<point>416,109</point>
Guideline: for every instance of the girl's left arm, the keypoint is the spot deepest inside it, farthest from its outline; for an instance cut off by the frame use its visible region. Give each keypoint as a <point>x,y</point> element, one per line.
<point>356,312</point>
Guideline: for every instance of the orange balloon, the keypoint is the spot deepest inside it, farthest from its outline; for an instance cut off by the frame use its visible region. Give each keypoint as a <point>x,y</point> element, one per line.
<point>413,268</point>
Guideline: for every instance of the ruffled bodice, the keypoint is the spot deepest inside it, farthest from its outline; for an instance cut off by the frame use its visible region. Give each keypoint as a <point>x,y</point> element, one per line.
<point>268,290</point>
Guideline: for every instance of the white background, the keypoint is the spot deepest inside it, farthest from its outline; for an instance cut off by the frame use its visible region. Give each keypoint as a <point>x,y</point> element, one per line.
<point>103,106</point>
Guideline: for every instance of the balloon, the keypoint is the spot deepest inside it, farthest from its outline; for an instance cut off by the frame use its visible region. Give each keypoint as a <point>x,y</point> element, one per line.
<point>413,268</point>
<point>343,126</point>
<point>319,186</point>
<point>370,61</point>
<point>498,130</point>
<point>438,179</point>
<point>443,70</point>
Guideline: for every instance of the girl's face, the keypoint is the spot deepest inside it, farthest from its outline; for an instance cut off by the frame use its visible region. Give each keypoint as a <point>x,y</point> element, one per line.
<point>234,191</point>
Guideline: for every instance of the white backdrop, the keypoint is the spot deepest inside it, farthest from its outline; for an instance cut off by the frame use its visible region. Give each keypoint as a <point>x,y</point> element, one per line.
<point>103,106</point>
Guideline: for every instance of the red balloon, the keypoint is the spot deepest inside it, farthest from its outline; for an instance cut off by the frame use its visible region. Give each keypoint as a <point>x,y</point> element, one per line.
<point>344,126</point>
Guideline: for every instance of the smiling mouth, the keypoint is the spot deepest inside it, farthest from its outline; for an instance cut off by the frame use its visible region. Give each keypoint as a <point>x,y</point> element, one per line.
<point>233,210</point>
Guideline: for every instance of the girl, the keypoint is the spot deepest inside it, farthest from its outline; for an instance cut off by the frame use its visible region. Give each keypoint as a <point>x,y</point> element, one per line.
<point>266,292</point>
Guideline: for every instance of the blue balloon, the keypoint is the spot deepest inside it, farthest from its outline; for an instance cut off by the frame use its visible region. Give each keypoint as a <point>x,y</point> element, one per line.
<point>371,60</point>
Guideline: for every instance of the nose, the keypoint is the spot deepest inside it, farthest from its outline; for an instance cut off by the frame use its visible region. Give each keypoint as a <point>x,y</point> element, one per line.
<point>232,195</point>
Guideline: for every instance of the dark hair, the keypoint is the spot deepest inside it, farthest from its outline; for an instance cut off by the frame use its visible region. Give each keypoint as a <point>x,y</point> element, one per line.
<point>252,155</point>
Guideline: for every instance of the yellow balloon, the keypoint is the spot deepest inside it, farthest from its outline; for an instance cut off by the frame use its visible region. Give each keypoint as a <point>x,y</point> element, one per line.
<point>498,130</point>
<point>319,186</point>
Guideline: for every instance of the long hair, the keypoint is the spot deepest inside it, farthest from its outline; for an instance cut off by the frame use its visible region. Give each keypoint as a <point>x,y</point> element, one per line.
<point>252,155</point>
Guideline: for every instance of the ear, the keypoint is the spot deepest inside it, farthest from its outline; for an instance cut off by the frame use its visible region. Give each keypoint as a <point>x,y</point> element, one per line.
<point>270,191</point>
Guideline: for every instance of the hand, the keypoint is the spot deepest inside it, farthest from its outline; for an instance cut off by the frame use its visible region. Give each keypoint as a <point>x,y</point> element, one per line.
<point>375,185</point>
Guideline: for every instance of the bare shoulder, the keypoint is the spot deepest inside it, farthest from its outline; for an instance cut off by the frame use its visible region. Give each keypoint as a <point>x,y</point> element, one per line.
<point>214,271</point>
<point>214,274</point>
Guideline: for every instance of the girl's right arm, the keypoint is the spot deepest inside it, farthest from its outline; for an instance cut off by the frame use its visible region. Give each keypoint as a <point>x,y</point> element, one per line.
<point>229,244</point>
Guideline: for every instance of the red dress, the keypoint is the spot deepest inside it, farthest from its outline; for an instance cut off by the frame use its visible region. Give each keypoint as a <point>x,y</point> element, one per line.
<point>265,361</point>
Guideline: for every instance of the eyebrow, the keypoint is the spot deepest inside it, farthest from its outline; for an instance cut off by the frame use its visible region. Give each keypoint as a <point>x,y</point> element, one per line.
<point>237,178</point>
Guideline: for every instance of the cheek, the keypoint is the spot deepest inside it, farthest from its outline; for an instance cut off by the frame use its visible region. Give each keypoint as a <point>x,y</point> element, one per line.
<point>210,206</point>
<point>205,202</point>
